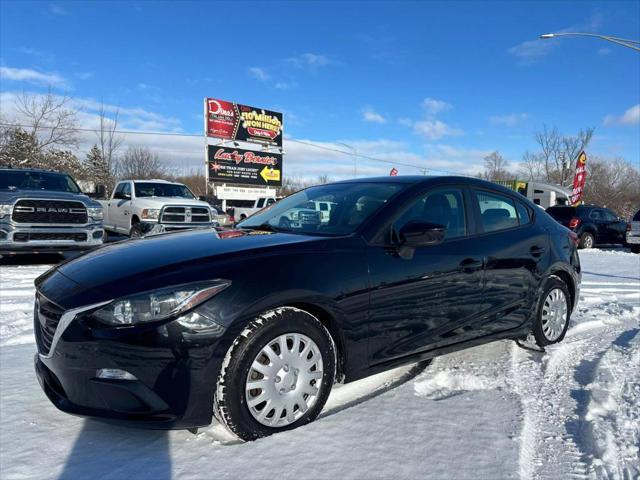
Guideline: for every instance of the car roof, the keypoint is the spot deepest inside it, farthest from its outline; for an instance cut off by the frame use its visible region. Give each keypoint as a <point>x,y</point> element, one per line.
<point>154,180</point>
<point>31,170</point>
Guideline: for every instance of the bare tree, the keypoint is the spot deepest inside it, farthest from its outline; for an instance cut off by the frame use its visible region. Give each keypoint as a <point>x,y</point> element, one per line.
<point>614,184</point>
<point>571,148</point>
<point>495,167</point>
<point>532,166</point>
<point>549,141</point>
<point>109,141</point>
<point>140,163</point>
<point>48,118</point>
<point>559,151</point>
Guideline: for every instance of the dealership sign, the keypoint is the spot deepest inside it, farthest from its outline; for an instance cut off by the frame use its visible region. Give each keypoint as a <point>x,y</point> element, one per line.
<point>234,121</point>
<point>235,165</point>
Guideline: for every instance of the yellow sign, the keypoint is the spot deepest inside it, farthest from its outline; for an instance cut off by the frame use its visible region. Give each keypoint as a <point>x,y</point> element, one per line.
<point>270,174</point>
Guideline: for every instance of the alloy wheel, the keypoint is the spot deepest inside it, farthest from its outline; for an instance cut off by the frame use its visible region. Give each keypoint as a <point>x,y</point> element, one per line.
<point>284,380</point>
<point>554,314</point>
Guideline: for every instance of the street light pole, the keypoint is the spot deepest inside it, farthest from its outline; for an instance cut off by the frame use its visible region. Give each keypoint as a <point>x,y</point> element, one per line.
<point>633,44</point>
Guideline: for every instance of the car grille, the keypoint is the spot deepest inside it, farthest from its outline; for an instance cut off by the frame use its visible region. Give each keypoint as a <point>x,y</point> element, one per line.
<point>34,236</point>
<point>49,211</point>
<point>46,318</point>
<point>185,215</point>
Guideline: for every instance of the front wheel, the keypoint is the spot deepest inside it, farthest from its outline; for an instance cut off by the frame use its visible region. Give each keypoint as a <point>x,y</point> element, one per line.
<point>136,231</point>
<point>554,310</point>
<point>635,248</point>
<point>277,375</point>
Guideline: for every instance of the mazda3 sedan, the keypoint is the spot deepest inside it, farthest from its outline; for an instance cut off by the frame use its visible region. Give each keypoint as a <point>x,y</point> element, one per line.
<point>253,325</point>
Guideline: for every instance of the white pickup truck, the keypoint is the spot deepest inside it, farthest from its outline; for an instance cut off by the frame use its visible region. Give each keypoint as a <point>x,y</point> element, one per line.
<point>146,207</point>
<point>245,208</point>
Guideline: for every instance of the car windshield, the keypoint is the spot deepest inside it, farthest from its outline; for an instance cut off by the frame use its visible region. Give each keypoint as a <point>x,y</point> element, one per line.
<point>20,180</point>
<point>150,189</point>
<point>350,205</point>
<point>561,213</point>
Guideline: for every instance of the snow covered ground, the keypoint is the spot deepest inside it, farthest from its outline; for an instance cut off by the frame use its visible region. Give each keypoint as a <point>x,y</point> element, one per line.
<point>494,411</point>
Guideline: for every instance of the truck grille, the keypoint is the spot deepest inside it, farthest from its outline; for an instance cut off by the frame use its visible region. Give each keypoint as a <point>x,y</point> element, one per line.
<point>34,236</point>
<point>49,211</point>
<point>46,318</point>
<point>185,215</point>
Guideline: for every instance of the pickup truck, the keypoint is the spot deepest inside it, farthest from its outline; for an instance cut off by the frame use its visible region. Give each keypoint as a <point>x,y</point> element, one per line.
<point>45,211</point>
<point>245,208</point>
<point>140,208</point>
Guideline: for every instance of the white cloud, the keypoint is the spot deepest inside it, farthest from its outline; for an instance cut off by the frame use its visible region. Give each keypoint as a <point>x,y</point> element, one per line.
<point>509,120</point>
<point>630,117</point>
<point>34,77</point>
<point>604,51</point>
<point>58,9</point>
<point>310,60</point>
<point>285,85</point>
<point>433,106</point>
<point>435,129</point>
<point>370,115</point>
<point>259,73</point>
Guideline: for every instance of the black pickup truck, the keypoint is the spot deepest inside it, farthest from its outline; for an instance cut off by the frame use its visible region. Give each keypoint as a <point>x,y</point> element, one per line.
<point>41,210</point>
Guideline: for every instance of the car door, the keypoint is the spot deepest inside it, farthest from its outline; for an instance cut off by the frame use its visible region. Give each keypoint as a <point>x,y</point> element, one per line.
<point>120,208</point>
<point>595,216</point>
<point>430,299</point>
<point>615,228</point>
<point>514,247</point>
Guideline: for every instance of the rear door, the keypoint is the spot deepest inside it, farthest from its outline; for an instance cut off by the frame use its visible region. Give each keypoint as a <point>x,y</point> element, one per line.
<point>120,208</point>
<point>515,256</point>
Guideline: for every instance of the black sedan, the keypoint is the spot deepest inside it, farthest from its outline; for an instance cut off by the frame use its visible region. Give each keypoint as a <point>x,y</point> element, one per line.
<point>334,283</point>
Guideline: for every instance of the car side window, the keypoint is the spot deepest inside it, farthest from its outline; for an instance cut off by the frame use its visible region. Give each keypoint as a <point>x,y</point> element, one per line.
<point>497,212</point>
<point>609,216</point>
<point>119,188</point>
<point>441,207</point>
<point>595,215</point>
<point>127,189</point>
<point>260,203</point>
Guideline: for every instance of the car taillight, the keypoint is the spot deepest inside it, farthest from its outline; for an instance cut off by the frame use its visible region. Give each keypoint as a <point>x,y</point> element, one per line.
<point>574,238</point>
<point>574,222</point>
<point>628,227</point>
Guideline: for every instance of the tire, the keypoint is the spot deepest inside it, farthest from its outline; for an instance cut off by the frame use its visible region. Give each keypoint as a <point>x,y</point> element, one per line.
<point>242,216</point>
<point>547,327</point>
<point>286,381</point>
<point>136,231</point>
<point>587,240</point>
<point>635,248</point>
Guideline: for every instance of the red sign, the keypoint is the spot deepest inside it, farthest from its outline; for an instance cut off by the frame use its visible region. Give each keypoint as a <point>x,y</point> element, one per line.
<point>234,121</point>
<point>579,179</point>
<point>393,172</point>
<point>236,165</point>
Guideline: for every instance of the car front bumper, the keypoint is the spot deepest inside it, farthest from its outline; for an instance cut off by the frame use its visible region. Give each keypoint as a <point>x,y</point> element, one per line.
<point>16,239</point>
<point>174,373</point>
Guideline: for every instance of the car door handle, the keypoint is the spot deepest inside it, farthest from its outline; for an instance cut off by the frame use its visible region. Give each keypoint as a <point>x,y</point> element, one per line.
<point>537,251</point>
<point>470,265</point>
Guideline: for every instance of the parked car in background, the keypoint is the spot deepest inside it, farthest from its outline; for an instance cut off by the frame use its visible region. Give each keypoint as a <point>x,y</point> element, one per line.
<point>147,207</point>
<point>45,211</point>
<point>164,331</point>
<point>593,224</point>
<point>241,209</point>
<point>632,238</point>
<point>221,218</point>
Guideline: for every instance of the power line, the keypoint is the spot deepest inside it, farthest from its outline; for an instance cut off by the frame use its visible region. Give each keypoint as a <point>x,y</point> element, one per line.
<point>193,135</point>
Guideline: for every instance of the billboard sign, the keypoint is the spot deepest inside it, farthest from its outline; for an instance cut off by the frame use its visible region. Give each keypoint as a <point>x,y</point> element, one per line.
<point>579,179</point>
<point>236,165</point>
<point>234,121</point>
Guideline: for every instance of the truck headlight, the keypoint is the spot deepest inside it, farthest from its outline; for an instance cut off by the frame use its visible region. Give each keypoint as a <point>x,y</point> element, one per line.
<point>158,304</point>
<point>150,213</point>
<point>5,210</point>
<point>95,213</point>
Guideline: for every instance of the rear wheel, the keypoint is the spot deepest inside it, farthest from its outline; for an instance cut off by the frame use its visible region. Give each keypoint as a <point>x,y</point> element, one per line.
<point>554,310</point>
<point>277,375</point>
<point>587,240</point>
<point>635,248</point>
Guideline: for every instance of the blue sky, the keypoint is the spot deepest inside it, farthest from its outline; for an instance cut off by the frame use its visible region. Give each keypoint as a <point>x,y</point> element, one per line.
<point>434,84</point>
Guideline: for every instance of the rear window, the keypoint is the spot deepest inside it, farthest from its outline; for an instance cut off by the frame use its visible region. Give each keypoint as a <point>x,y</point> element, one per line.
<point>561,213</point>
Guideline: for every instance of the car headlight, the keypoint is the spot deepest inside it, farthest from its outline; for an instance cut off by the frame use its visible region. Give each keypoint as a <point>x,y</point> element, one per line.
<point>95,213</point>
<point>158,304</point>
<point>150,213</point>
<point>5,210</point>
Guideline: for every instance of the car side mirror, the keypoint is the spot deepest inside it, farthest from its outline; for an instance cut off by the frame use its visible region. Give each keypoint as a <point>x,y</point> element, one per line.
<point>101,191</point>
<point>421,234</point>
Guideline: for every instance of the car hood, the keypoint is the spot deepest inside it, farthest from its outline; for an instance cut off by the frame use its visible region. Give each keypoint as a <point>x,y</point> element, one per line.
<point>162,255</point>
<point>14,195</point>
<point>152,202</point>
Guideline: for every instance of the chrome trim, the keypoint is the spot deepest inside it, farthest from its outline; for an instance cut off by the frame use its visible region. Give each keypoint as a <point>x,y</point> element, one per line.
<point>16,208</point>
<point>186,214</point>
<point>65,320</point>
